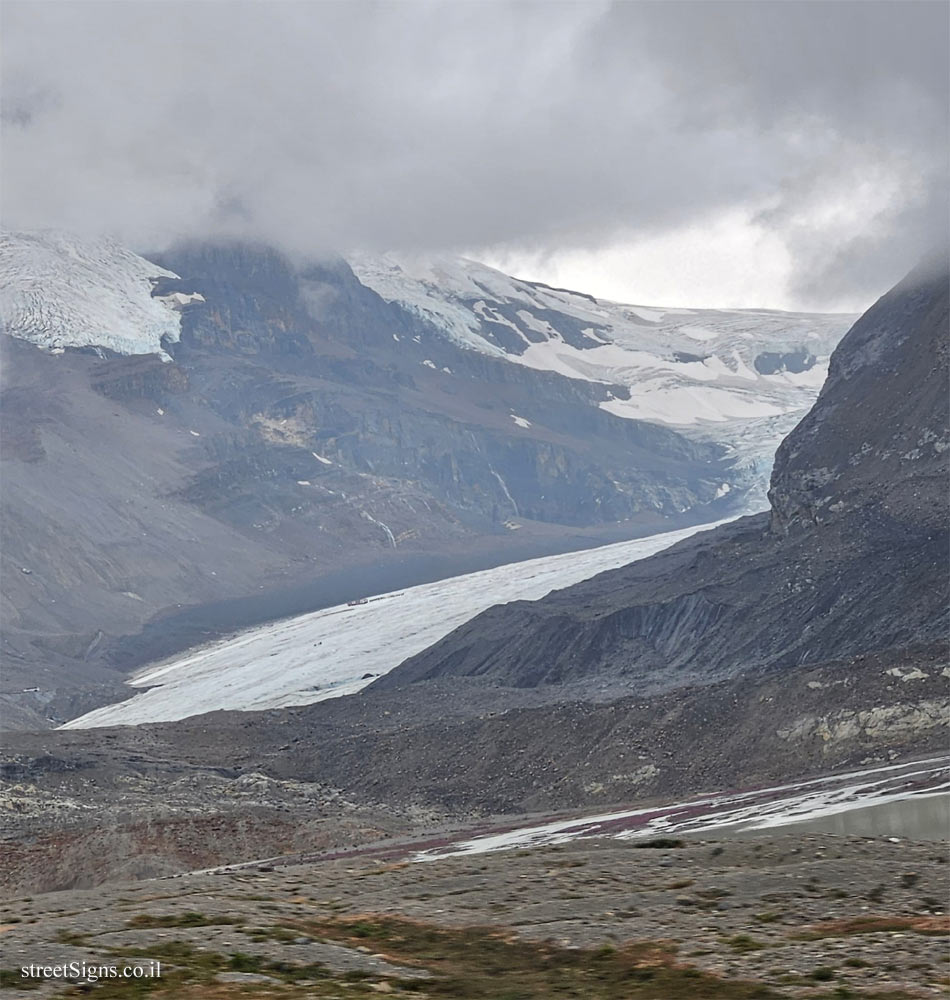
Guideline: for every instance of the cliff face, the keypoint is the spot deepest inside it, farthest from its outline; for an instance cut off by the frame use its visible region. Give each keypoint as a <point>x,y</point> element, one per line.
<point>851,559</point>
<point>311,359</point>
<point>874,446</point>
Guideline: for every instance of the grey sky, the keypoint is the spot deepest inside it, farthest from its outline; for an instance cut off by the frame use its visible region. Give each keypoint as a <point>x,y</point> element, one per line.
<point>811,137</point>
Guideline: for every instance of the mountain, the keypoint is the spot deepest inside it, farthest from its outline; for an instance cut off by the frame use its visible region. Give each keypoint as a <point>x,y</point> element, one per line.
<point>790,643</point>
<point>218,436</point>
<point>777,648</point>
<point>851,559</point>
<point>740,377</point>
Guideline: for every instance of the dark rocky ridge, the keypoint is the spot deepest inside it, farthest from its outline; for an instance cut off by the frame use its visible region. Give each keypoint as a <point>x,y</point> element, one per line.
<point>450,433</point>
<point>875,443</point>
<point>852,558</point>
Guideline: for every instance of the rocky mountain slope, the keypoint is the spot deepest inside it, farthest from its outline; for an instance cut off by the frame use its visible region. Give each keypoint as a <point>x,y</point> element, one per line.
<point>224,436</point>
<point>741,377</point>
<point>687,366</point>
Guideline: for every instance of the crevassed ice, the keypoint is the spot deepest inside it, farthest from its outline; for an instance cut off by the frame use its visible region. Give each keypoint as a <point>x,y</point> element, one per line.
<point>58,290</point>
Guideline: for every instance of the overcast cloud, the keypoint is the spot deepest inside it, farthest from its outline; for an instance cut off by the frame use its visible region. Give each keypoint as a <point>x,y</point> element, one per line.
<point>806,139</point>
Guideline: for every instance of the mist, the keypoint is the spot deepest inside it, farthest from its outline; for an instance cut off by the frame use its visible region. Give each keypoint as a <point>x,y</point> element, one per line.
<point>533,133</point>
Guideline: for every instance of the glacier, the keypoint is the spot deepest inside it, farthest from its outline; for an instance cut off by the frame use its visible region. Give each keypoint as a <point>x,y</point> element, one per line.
<point>328,653</point>
<point>59,291</point>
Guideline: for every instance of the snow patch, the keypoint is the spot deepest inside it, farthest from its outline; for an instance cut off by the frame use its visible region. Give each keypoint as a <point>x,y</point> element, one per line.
<point>649,315</point>
<point>692,404</point>
<point>762,809</point>
<point>538,325</point>
<point>178,300</point>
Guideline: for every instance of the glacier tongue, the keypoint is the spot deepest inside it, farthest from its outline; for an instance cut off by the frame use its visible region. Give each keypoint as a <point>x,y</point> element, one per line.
<point>59,291</point>
<point>337,651</point>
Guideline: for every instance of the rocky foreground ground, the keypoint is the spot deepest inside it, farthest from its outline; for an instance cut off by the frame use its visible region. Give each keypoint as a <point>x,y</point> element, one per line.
<point>815,916</point>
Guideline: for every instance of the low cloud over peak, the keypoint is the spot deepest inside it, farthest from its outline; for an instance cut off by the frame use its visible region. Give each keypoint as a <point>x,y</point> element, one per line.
<point>526,129</point>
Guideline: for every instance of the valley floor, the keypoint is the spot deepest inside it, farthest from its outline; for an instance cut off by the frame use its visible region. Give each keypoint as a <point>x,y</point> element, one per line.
<point>778,916</point>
